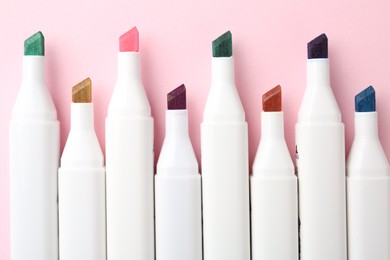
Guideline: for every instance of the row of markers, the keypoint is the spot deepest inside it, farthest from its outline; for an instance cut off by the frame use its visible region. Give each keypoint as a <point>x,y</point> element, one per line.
<point>125,212</point>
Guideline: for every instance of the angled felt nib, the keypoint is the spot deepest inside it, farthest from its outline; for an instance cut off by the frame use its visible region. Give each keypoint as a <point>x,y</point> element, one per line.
<point>82,92</point>
<point>177,98</point>
<point>318,47</point>
<point>272,100</point>
<point>222,46</point>
<point>365,100</point>
<point>35,45</point>
<point>129,41</point>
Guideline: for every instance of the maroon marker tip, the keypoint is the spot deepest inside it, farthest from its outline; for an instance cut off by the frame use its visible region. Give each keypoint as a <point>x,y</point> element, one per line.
<point>177,98</point>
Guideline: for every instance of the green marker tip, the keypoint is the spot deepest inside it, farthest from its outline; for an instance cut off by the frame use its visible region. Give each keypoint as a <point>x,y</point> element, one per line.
<point>222,46</point>
<point>35,45</point>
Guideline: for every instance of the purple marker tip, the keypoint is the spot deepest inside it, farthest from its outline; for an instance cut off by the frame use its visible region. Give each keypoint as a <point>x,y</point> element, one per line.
<point>318,47</point>
<point>177,98</point>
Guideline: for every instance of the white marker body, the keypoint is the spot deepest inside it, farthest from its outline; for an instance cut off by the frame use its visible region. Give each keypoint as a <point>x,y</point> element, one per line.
<point>368,192</point>
<point>274,195</point>
<point>225,177</point>
<point>34,158</point>
<point>81,190</point>
<point>321,169</point>
<point>178,194</point>
<point>129,162</point>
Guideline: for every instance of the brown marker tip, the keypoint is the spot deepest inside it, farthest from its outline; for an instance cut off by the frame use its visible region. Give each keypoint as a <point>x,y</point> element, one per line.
<point>82,92</point>
<point>272,100</point>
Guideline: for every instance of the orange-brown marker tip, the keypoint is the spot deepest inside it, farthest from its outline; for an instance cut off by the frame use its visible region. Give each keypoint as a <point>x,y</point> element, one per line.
<point>82,92</point>
<point>272,100</point>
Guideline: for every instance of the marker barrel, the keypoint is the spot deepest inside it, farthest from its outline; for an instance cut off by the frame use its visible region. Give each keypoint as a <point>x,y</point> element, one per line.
<point>368,192</point>
<point>129,162</point>
<point>34,158</point>
<point>178,194</point>
<point>321,169</point>
<point>274,195</point>
<point>81,179</point>
<point>178,217</point>
<point>225,177</point>
<point>322,211</point>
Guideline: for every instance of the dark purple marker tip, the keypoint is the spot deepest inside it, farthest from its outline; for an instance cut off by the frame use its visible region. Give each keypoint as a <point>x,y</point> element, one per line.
<point>318,48</point>
<point>177,98</point>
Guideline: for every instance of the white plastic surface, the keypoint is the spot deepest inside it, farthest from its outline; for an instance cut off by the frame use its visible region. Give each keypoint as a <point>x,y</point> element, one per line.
<point>320,154</point>
<point>319,104</point>
<point>178,217</point>
<point>34,101</point>
<point>178,194</point>
<point>322,200</point>
<point>129,97</point>
<point>81,183</point>
<point>368,193</point>
<point>82,214</point>
<point>223,102</point>
<point>34,158</point>
<point>129,162</point>
<point>225,176</point>
<point>274,195</point>
<point>177,156</point>
<point>274,218</point>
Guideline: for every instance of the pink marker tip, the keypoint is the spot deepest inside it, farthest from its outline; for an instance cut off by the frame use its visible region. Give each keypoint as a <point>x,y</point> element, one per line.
<point>129,42</point>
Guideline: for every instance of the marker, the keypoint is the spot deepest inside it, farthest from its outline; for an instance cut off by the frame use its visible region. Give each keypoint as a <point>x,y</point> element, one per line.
<point>34,158</point>
<point>178,188</point>
<point>320,154</point>
<point>368,186</point>
<point>274,188</point>
<point>225,177</point>
<point>129,160</point>
<point>81,184</point>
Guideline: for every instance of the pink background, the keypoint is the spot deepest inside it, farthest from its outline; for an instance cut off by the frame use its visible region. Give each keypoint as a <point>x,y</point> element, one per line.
<point>269,39</point>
